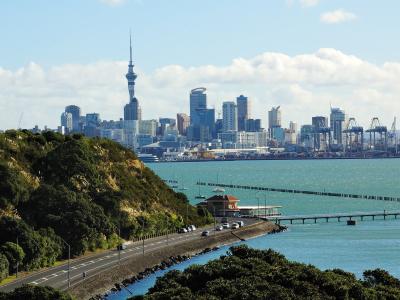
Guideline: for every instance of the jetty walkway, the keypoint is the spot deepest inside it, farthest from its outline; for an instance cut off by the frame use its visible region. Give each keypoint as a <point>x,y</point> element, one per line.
<point>349,216</point>
<point>343,195</point>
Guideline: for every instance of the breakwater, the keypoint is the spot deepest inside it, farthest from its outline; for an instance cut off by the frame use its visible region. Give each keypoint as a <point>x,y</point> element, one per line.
<point>99,283</point>
<point>343,195</point>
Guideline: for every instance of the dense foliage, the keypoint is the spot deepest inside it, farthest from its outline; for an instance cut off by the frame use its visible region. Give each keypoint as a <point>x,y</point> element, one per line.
<point>79,189</point>
<point>35,292</point>
<point>246,273</point>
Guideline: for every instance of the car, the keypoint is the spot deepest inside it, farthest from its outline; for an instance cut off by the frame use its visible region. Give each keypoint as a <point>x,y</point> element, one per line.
<point>205,233</point>
<point>224,220</point>
<point>192,227</point>
<point>240,223</point>
<point>235,226</point>
<point>219,228</point>
<point>182,230</point>
<point>121,247</point>
<point>225,226</point>
<point>189,229</point>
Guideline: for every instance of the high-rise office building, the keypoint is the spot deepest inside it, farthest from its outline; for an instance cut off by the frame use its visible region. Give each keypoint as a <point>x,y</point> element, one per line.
<point>318,122</point>
<point>244,111</point>
<point>132,111</point>
<point>252,125</point>
<point>93,120</point>
<point>198,100</point>
<point>183,121</point>
<point>229,116</point>
<point>338,122</point>
<point>275,117</point>
<point>274,120</point>
<point>76,113</point>
<point>66,121</point>
<point>293,127</point>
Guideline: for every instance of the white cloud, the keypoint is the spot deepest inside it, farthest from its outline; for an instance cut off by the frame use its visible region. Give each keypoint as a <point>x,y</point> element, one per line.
<point>304,85</point>
<point>112,2</point>
<point>337,16</point>
<point>304,3</point>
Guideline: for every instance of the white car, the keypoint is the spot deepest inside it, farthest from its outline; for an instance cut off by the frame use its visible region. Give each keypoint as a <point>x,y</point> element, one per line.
<point>235,226</point>
<point>219,228</point>
<point>182,230</point>
<point>225,226</point>
<point>192,227</point>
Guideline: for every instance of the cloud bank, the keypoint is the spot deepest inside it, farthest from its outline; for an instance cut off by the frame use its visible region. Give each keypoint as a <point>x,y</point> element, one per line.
<point>337,16</point>
<point>304,85</point>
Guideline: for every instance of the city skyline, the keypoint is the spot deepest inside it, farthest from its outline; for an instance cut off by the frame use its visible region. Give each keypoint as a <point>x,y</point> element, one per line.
<point>304,75</point>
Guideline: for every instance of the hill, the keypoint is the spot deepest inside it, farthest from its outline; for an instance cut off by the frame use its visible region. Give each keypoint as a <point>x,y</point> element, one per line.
<point>78,189</point>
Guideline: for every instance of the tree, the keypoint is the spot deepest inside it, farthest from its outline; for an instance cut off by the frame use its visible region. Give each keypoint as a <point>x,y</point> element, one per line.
<point>4,267</point>
<point>12,190</point>
<point>14,254</point>
<point>73,217</point>
<point>31,244</point>
<point>35,292</point>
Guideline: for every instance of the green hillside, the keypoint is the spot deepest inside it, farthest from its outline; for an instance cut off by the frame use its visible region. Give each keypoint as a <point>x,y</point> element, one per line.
<point>76,188</point>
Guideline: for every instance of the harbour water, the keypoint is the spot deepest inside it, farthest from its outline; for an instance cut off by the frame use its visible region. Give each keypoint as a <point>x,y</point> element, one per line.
<point>368,245</point>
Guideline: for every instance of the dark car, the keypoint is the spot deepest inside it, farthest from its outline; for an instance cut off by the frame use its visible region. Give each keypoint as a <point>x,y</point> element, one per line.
<point>121,247</point>
<point>205,233</point>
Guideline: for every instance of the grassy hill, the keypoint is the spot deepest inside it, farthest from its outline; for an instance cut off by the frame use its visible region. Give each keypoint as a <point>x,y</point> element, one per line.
<point>78,188</point>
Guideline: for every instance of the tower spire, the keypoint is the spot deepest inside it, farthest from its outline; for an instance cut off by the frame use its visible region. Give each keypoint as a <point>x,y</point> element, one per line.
<point>130,42</point>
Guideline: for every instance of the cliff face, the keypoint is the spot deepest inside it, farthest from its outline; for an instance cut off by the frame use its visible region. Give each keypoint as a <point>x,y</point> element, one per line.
<point>79,186</point>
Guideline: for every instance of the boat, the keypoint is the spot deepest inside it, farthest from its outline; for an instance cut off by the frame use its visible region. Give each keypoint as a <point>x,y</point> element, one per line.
<point>200,196</point>
<point>183,188</point>
<point>217,188</point>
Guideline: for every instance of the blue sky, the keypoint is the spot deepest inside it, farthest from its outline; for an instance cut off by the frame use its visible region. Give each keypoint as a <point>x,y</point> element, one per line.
<point>301,54</point>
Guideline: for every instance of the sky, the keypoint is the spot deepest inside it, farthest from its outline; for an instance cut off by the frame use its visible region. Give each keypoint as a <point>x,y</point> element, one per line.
<point>304,55</point>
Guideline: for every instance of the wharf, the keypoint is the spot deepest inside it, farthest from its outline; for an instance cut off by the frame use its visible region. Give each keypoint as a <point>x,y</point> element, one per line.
<point>338,216</point>
<point>293,191</point>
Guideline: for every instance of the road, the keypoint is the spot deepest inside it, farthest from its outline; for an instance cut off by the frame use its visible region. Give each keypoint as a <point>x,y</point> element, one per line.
<point>57,276</point>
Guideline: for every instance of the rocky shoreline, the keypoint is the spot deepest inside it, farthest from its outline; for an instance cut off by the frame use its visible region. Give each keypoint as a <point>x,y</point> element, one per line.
<point>117,277</point>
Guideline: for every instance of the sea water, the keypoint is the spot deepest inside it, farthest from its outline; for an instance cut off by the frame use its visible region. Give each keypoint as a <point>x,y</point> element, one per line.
<point>368,245</point>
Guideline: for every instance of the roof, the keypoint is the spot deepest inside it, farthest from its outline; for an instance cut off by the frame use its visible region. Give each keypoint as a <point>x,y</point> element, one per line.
<point>201,204</point>
<point>222,198</point>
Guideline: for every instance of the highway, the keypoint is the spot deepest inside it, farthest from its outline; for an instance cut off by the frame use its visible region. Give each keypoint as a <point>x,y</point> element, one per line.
<point>57,276</point>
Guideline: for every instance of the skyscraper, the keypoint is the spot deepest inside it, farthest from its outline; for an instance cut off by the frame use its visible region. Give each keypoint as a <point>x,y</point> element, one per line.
<point>183,121</point>
<point>318,122</point>
<point>229,116</point>
<point>66,121</point>
<point>274,120</point>
<point>338,122</point>
<point>293,127</point>
<point>244,111</point>
<point>132,111</point>
<point>197,100</point>
<point>75,111</point>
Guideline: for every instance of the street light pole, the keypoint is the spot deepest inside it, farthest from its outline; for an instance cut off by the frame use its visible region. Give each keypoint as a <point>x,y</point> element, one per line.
<point>265,207</point>
<point>17,254</point>
<point>142,233</point>
<point>167,231</point>
<point>258,211</point>
<point>119,243</point>
<point>69,254</point>
<point>214,216</point>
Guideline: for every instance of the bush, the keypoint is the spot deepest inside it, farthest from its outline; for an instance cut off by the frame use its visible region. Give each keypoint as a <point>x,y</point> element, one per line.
<point>35,292</point>
<point>4,267</point>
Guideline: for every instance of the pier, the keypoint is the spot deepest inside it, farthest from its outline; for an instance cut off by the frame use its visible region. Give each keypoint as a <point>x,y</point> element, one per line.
<point>343,195</point>
<point>348,216</point>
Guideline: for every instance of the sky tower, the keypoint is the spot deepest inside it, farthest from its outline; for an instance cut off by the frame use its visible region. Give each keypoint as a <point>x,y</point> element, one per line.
<point>132,111</point>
